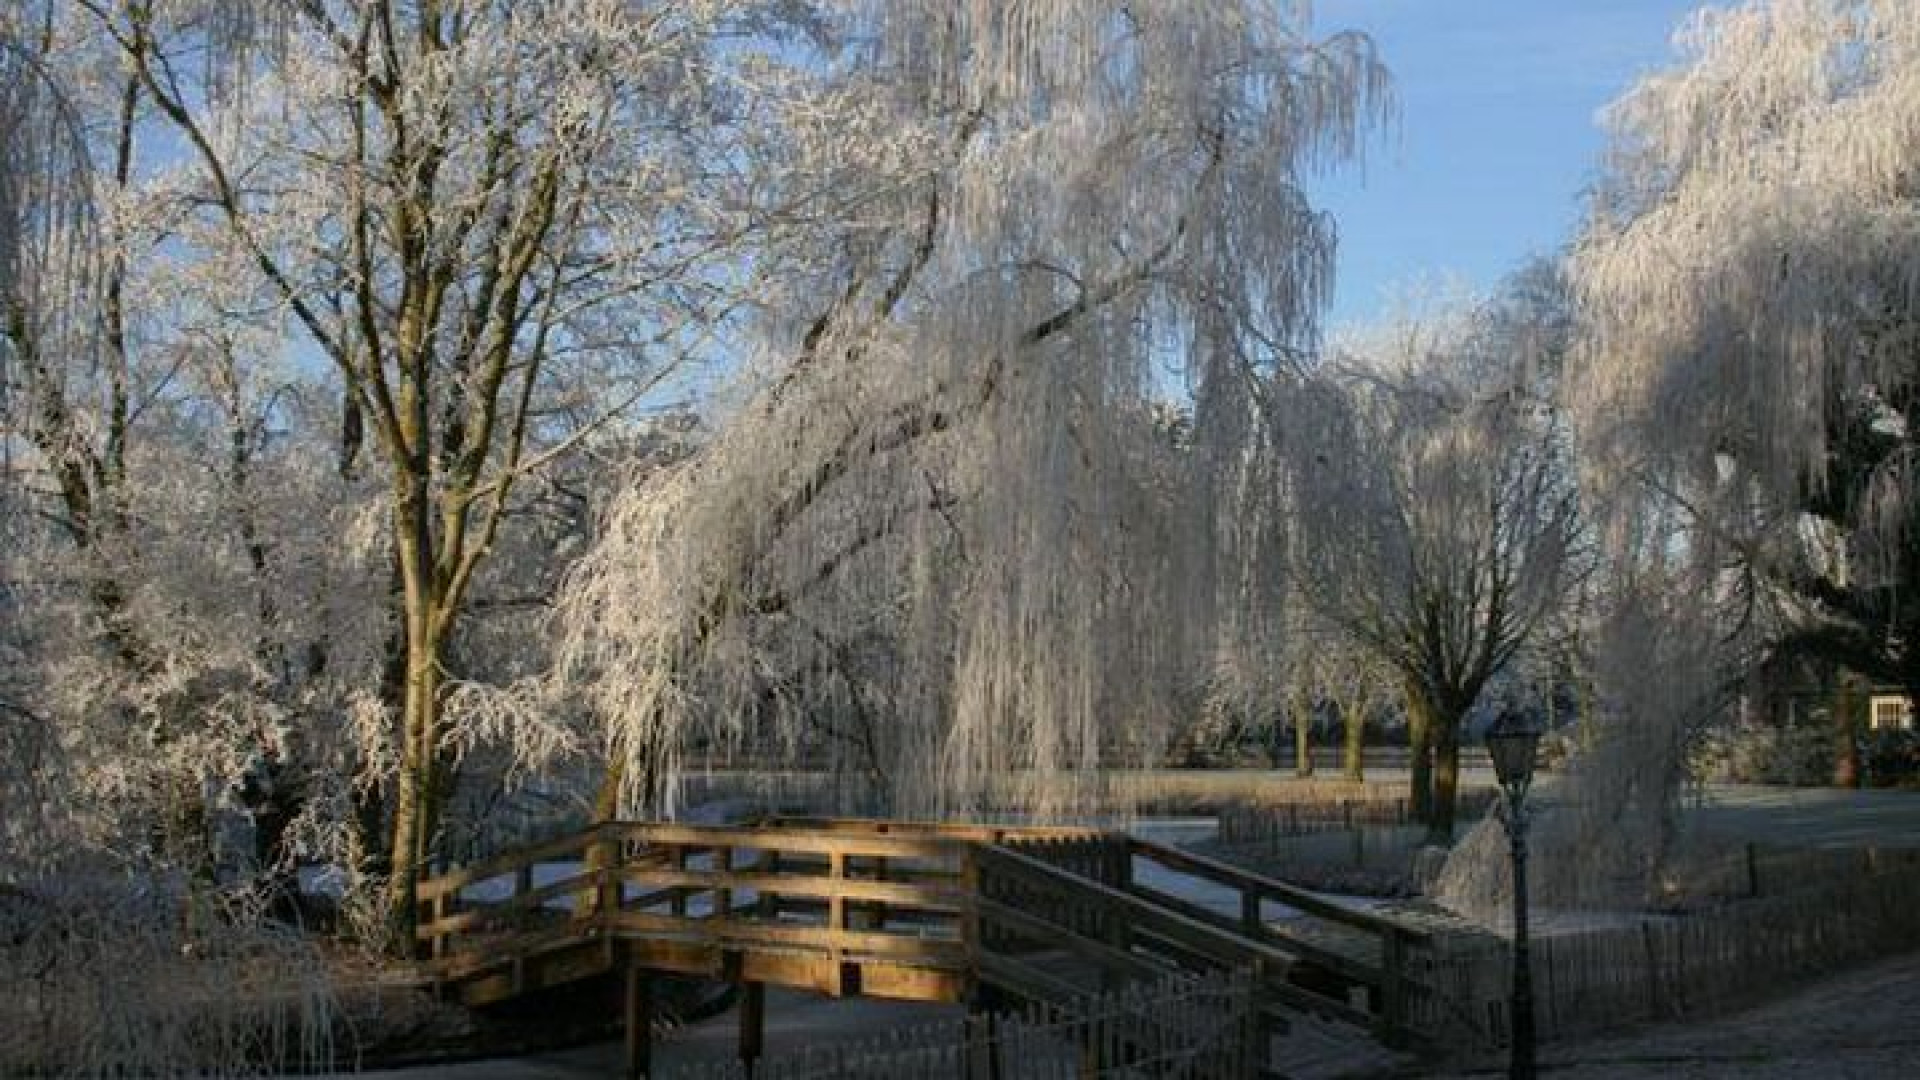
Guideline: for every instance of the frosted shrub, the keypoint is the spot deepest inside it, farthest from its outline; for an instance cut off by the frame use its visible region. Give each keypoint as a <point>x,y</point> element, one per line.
<point>110,975</point>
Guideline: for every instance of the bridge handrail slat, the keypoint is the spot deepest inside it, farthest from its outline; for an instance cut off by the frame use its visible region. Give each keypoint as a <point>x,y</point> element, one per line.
<point>1005,917</point>
<point>1228,948</point>
<point>733,932</point>
<point>910,895</point>
<point>1268,888</point>
<point>978,833</point>
<point>750,839</point>
<point>460,877</point>
<point>515,904</point>
<point>1309,952</point>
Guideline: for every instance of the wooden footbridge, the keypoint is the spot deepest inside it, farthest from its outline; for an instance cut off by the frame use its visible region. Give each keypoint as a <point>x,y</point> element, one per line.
<point>988,916</point>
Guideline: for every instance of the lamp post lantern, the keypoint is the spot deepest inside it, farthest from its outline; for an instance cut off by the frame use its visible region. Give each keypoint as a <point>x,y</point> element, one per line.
<point>1511,743</point>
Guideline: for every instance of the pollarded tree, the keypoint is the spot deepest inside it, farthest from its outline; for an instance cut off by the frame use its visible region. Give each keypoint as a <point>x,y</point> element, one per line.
<point>1749,381</point>
<point>946,529</point>
<point>1437,523</point>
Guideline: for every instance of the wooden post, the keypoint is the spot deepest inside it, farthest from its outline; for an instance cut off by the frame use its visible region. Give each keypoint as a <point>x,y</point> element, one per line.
<point>837,918</point>
<point>639,1022</point>
<point>678,903</point>
<point>970,910</point>
<point>722,897</point>
<point>439,912</point>
<point>608,850</point>
<point>1393,990</point>
<point>769,900</point>
<point>837,903</point>
<point>753,1023</point>
<point>1261,1029</point>
<point>1250,921</point>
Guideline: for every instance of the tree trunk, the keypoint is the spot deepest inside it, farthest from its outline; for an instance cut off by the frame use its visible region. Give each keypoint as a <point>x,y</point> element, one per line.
<point>417,790</point>
<point>1353,718</point>
<point>416,799</point>
<point>1446,776</point>
<point>1302,740</point>
<point>1846,709</point>
<point>1419,754</point>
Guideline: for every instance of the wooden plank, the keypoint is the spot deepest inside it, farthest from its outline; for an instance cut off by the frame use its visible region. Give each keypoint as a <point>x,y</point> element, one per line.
<point>746,933</point>
<point>1269,889</point>
<point>979,833</point>
<point>903,982</point>
<point>555,850</point>
<point>582,960</point>
<point>1228,947</point>
<point>681,957</point>
<point>815,972</point>
<point>489,955</point>
<point>785,841</point>
<point>1025,924</point>
<point>482,914</point>
<point>947,899</point>
<point>1355,971</point>
<point>1028,983</point>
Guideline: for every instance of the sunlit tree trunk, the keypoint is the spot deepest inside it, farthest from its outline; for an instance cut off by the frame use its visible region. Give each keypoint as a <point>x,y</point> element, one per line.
<point>1419,754</point>
<point>1353,722</point>
<point>1446,723</point>
<point>1847,709</point>
<point>1302,737</point>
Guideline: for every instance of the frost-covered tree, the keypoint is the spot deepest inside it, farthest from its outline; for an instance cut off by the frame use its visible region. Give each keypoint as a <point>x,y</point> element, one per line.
<point>469,212</point>
<point>945,530</point>
<point>1437,520</point>
<point>1749,389</point>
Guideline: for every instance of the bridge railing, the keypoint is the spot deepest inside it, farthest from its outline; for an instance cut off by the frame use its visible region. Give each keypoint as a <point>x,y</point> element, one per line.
<point>905,909</point>
<point>1337,949</point>
<point>836,909</point>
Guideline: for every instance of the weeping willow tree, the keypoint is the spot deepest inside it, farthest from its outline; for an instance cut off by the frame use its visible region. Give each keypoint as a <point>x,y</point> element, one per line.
<point>950,534</point>
<point>1752,296</point>
<point>1745,390</point>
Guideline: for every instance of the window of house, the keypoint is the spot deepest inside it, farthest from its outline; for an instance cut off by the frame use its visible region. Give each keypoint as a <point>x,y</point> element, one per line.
<point>1891,711</point>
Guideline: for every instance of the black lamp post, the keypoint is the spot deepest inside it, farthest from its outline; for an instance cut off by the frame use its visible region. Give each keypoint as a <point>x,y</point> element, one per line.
<point>1511,742</point>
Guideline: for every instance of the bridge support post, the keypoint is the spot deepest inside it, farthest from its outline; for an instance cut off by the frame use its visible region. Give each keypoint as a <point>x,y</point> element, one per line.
<point>1393,990</point>
<point>639,1022</point>
<point>753,1023</point>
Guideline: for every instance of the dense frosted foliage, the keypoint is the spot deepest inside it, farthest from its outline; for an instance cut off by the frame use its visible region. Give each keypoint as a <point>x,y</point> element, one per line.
<point>1745,392</point>
<point>948,533</point>
<point>1752,260</point>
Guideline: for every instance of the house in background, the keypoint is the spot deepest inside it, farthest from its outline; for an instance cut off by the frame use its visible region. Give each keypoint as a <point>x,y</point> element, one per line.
<point>1889,710</point>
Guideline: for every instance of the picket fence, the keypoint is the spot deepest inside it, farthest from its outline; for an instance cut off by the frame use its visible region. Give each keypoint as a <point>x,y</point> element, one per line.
<point>1690,964</point>
<point>1191,1027</point>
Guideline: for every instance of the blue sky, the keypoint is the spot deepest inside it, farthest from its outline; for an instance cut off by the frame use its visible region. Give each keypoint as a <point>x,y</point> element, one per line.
<point>1497,133</point>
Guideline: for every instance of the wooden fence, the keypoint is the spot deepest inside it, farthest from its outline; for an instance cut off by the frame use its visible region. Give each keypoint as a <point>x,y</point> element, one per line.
<point>1312,807</point>
<point>1693,964</point>
<point>1114,791</point>
<point>1200,1028</point>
